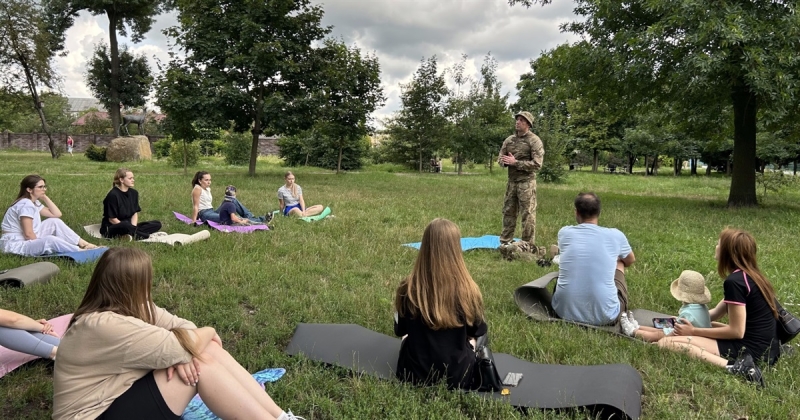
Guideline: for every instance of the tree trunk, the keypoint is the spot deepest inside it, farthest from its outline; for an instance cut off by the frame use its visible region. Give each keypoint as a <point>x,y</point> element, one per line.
<point>339,164</point>
<point>420,160</point>
<point>251,170</point>
<point>458,159</point>
<point>113,91</point>
<point>743,179</point>
<point>37,105</point>
<point>794,169</point>
<point>594,160</point>
<point>693,166</point>
<point>185,158</point>
<point>708,170</point>
<point>677,165</point>
<point>491,163</point>
<point>631,160</point>
<point>653,165</point>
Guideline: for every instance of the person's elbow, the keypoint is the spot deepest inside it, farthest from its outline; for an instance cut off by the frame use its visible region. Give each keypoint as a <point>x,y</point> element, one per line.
<point>628,260</point>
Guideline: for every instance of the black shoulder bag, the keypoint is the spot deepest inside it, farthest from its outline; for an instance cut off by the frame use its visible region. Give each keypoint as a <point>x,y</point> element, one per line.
<point>485,377</point>
<point>787,325</point>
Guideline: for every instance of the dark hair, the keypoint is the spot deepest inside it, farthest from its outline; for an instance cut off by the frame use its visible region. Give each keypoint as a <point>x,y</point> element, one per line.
<point>197,177</point>
<point>29,181</point>
<point>587,205</point>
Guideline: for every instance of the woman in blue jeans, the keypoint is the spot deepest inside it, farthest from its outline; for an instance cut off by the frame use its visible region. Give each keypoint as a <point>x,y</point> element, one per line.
<point>202,209</point>
<point>26,335</point>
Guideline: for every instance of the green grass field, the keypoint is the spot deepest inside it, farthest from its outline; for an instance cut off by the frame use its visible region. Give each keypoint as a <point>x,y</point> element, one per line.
<point>255,288</point>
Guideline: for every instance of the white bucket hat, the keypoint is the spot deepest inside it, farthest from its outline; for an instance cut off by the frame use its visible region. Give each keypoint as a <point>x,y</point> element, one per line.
<point>690,287</point>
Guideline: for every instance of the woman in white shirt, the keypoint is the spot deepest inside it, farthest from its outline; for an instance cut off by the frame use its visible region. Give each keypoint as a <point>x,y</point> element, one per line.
<point>290,198</point>
<point>24,231</point>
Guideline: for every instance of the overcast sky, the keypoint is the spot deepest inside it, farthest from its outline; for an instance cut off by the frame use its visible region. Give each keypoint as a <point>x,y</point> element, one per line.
<point>399,32</point>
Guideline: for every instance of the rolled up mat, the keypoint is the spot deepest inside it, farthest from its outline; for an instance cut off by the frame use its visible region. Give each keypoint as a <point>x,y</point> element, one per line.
<point>483,242</point>
<point>178,238</point>
<point>10,359</point>
<point>325,213</point>
<point>27,275</point>
<point>609,391</point>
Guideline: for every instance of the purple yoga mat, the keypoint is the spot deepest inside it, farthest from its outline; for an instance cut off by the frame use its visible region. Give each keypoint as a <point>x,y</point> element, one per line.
<point>186,219</point>
<point>239,229</point>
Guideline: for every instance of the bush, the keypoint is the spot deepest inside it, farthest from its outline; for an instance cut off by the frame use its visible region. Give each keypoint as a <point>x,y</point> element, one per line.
<point>161,148</point>
<point>320,151</point>
<point>95,153</point>
<point>552,172</point>
<point>237,148</point>
<point>211,147</point>
<point>176,154</point>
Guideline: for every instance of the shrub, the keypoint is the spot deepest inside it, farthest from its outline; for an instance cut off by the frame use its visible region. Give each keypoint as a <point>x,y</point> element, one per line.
<point>316,150</point>
<point>237,148</point>
<point>95,153</point>
<point>552,172</point>
<point>161,148</point>
<point>176,154</point>
<point>211,147</point>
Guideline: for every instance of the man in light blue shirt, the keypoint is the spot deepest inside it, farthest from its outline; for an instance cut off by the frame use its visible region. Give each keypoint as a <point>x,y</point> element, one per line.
<point>591,284</point>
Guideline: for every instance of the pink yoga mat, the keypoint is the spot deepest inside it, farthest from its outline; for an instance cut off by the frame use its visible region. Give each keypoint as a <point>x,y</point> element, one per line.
<point>10,359</point>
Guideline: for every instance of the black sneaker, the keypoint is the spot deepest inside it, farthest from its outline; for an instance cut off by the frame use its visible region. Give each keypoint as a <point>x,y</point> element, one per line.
<point>746,367</point>
<point>268,218</point>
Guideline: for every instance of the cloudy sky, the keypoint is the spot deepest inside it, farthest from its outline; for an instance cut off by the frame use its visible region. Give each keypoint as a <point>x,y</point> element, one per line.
<point>399,32</point>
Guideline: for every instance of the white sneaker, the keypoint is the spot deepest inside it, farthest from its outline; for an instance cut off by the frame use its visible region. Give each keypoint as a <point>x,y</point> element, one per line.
<point>290,416</point>
<point>627,326</point>
<point>633,320</point>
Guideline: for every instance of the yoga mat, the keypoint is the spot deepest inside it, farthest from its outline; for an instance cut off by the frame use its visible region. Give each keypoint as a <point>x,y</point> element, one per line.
<point>80,257</point>
<point>10,359</point>
<point>27,275</point>
<point>158,237</point>
<point>197,409</point>
<point>186,219</point>
<point>237,229</point>
<point>485,241</point>
<point>610,391</point>
<point>535,299</point>
<point>325,213</point>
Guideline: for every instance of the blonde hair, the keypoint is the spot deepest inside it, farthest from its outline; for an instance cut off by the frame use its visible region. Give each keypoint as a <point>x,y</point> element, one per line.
<point>293,188</point>
<point>440,289</point>
<point>121,173</point>
<point>737,251</point>
<point>121,283</point>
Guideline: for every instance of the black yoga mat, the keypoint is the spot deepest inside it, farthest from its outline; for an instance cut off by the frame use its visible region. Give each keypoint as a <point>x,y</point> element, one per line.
<point>535,299</point>
<point>29,274</point>
<point>610,391</point>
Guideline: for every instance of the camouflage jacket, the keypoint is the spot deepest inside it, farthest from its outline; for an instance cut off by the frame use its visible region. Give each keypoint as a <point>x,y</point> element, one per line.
<point>529,152</point>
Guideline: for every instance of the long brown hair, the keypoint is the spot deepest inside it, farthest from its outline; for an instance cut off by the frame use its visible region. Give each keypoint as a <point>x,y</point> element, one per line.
<point>440,289</point>
<point>737,251</point>
<point>197,177</point>
<point>121,173</point>
<point>29,181</point>
<point>121,283</point>
<point>293,188</point>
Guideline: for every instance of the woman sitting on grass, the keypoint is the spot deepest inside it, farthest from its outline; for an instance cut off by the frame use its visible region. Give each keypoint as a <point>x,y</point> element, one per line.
<point>749,303</point>
<point>690,288</point>
<point>121,210</point>
<point>202,209</point>
<point>25,335</point>
<point>121,352</point>
<point>439,313</point>
<point>290,198</point>
<point>24,231</point>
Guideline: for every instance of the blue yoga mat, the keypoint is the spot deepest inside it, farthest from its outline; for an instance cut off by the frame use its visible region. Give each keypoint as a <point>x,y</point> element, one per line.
<point>81,257</point>
<point>197,410</point>
<point>485,241</point>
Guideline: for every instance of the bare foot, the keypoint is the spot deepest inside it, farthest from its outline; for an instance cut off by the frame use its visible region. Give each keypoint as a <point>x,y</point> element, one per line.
<point>88,246</point>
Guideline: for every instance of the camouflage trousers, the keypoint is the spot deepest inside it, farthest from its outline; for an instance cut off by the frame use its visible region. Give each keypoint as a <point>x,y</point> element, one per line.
<point>520,199</point>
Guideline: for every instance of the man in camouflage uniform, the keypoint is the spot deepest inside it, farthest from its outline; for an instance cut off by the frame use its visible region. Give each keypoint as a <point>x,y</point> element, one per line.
<point>522,153</point>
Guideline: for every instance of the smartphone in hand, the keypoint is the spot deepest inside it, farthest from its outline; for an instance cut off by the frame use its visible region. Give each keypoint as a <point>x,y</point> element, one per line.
<point>664,322</point>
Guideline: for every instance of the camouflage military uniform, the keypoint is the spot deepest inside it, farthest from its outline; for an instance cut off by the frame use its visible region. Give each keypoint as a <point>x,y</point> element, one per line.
<point>521,189</point>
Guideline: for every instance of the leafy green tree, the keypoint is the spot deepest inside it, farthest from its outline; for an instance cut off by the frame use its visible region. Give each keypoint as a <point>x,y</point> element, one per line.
<point>253,61</point>
<point>739,53</point>
<point>133,82</point>
<point>418,129</point>
<point>124,16</point>
<point>25,54</point>
<point>56,111</point>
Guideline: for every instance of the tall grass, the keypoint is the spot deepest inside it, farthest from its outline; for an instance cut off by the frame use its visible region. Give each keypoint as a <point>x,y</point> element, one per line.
<point>255,288</point>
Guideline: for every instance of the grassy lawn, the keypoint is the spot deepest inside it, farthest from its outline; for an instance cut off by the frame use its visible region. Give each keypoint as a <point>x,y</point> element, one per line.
<point>255,288</point>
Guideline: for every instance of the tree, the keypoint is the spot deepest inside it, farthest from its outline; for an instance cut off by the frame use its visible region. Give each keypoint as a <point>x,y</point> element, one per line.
<point>351,92</point>
<point>134,16</point>
<point>25,54</point>
<point>740,53</point>
<point>418,128</point>
<point>256,61</point>
<point>133,82</point>
<point>56,111</point>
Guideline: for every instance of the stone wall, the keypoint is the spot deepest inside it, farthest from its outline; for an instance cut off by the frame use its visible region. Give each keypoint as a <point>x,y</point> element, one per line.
<point>38,142</point>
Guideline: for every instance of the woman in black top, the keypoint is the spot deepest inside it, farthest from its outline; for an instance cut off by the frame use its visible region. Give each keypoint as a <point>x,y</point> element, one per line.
<point>439,312</point>
<point>749,303</point>
<point>121,210</point>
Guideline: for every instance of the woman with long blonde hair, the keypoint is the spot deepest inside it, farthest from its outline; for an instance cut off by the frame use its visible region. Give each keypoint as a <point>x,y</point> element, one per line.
<point>439,312</point>
<point>290,198</point>
<point>749,303</point>
<point>121,352</point>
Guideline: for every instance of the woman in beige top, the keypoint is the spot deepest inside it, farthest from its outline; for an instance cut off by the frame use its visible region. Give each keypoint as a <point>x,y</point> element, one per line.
<point>123,357</point>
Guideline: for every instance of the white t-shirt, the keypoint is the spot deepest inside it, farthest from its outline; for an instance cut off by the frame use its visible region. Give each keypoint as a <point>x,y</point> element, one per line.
<point>585,291</point>
<point>22,208</point>
<point>285,194</point>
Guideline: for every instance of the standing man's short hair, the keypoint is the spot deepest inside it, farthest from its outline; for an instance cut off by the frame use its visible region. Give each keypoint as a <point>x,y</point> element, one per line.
<point>587,205</point>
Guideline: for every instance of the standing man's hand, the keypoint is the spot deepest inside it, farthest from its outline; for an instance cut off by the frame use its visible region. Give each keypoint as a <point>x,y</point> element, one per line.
<point>508,159</point>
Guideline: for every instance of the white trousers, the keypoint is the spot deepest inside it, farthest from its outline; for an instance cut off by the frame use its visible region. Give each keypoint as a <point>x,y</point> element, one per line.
<point>54,236</point>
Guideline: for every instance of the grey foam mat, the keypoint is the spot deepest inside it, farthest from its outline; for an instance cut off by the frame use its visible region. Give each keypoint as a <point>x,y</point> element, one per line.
<point>610,391</point>
<point>535,299</point>
<point>27,275</point>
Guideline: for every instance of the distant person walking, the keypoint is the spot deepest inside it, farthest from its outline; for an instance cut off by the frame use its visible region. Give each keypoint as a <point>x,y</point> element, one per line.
<point>522,153</point>
<point>70,144</point>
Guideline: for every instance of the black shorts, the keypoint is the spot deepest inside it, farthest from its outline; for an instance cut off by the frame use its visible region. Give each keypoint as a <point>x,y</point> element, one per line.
<point>142,400</point>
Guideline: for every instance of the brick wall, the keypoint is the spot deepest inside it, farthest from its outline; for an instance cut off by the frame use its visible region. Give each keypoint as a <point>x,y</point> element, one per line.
<point>38,142</point>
